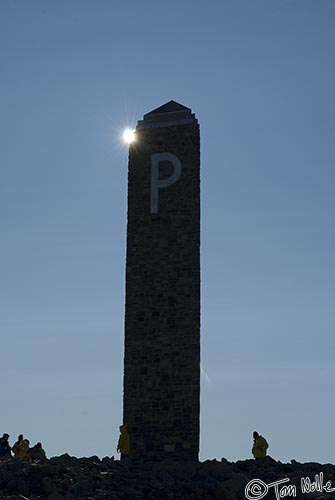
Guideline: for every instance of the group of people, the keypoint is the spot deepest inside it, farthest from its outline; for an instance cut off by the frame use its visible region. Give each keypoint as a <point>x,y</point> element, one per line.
<point>259,448</point>
<point>21,449</point>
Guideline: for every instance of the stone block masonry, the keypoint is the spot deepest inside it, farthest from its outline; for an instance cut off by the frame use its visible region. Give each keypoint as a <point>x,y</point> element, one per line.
<point>162,312</point>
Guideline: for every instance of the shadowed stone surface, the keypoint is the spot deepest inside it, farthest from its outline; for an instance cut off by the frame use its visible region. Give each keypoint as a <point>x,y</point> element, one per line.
<point>162,315</point>
<point>70,478</point>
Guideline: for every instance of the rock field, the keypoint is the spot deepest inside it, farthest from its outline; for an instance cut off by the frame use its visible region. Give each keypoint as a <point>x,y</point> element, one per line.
<point>69,478</point>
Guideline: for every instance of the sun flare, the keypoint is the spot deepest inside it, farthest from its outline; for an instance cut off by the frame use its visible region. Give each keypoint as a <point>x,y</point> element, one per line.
<point>129,136</point>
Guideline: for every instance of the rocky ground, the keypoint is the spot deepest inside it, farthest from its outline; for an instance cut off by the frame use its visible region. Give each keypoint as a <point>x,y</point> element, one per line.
<point>69,478</point>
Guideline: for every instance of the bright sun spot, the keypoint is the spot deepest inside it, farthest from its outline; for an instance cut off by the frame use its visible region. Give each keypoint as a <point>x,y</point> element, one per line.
<point>129,136</point>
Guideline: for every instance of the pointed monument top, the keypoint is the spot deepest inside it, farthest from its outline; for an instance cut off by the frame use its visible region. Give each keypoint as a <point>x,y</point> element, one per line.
<point>169,107</point>
<point>169,114</point>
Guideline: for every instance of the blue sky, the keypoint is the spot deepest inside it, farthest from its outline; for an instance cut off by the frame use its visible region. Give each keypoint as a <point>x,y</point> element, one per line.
<point>260,77</point>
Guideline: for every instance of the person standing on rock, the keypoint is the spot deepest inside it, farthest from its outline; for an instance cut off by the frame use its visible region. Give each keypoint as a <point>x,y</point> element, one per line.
<point>36,453</point>
<point>123,443</point>
<point>260,446</point>
<point>21,447</point>
<point>5,449</point>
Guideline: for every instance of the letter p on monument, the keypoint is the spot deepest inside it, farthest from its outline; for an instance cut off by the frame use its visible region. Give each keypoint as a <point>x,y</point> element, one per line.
<point>157,183</point>
<point>161,384</point>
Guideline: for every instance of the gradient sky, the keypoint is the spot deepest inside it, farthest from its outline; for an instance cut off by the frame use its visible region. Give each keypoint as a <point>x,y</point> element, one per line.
<point>260,77</point>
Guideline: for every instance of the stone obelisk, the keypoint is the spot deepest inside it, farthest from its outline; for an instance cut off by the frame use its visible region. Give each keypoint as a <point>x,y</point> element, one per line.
<point>162,313</point>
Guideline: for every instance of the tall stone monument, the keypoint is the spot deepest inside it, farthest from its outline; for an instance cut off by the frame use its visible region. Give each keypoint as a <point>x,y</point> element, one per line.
<point>162,314</point>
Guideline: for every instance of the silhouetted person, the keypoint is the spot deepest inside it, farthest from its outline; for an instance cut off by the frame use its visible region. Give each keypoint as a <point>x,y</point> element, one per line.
<point>5,449</point>
<point>37,453</point>
<point>260,446</point>
<point>123,443</point>
<point>21,447</point>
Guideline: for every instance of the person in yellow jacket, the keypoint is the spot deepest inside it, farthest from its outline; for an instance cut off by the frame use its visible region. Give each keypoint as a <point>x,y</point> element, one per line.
<point>37,454</point>
<point>21,447</point>
<point>260,446</point>
<point>123,443</point>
